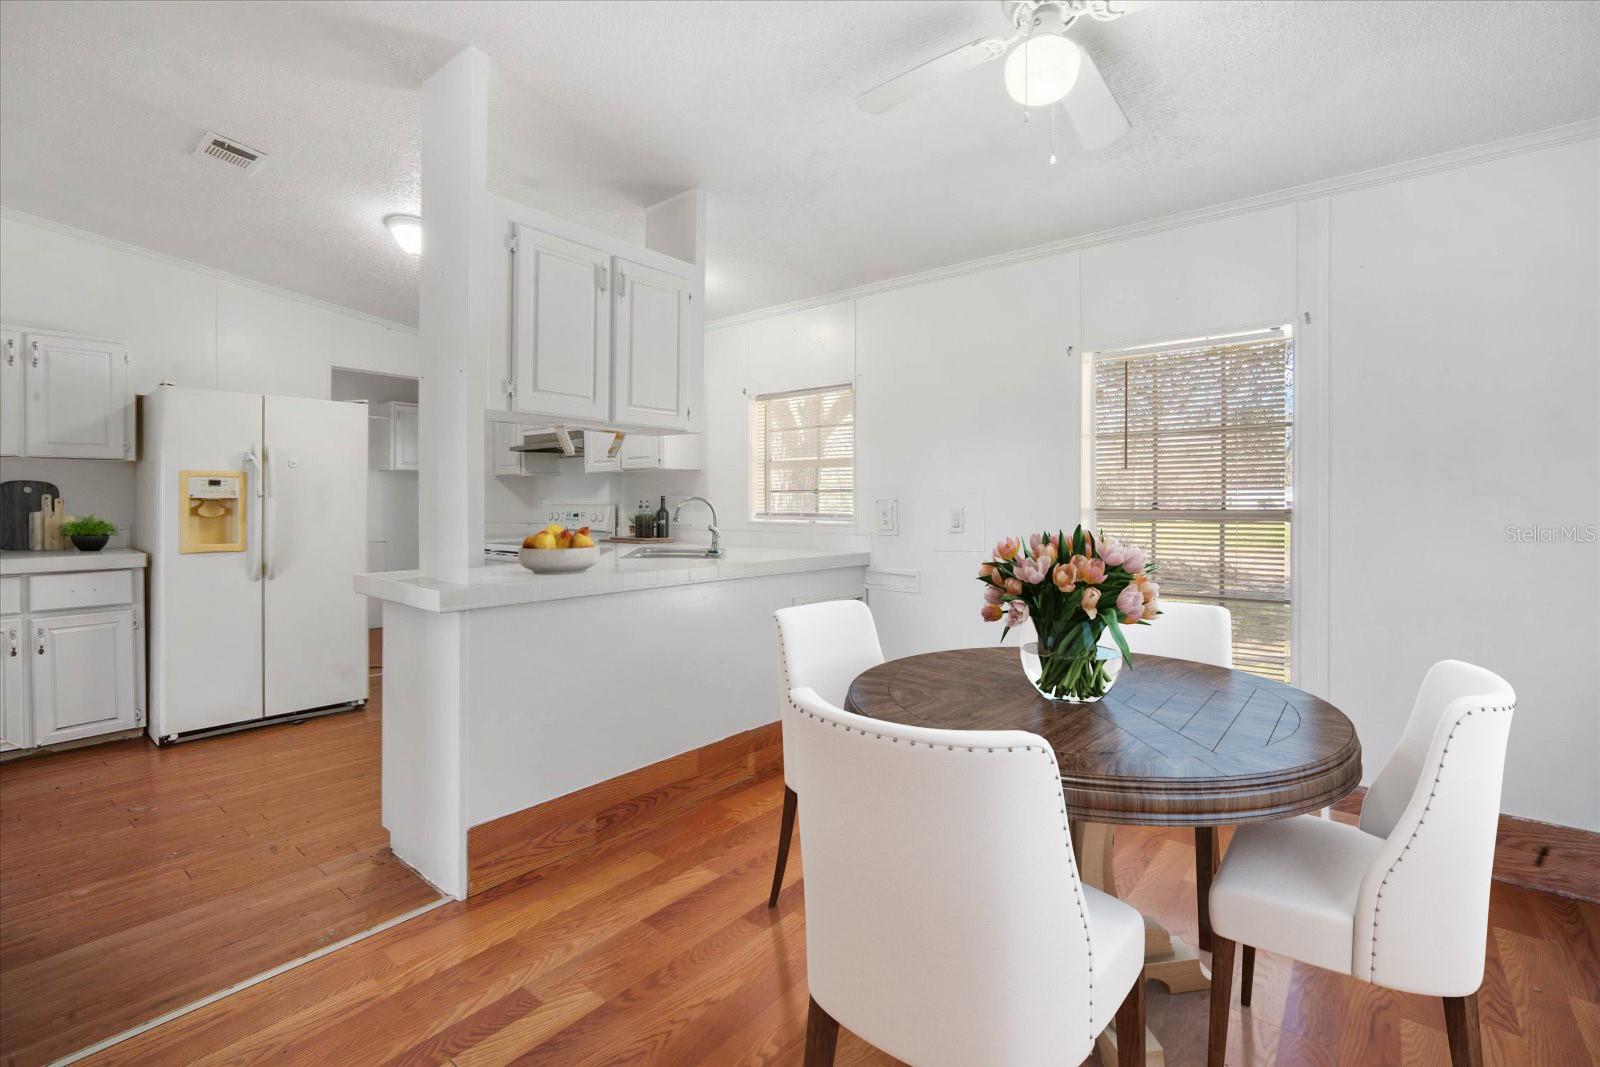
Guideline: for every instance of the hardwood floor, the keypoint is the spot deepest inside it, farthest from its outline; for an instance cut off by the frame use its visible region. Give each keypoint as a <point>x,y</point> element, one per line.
<point>134,880</point>
<point>656,946</point>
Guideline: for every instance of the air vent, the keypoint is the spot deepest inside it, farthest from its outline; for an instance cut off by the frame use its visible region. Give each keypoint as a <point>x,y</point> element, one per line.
<point>226,150</point>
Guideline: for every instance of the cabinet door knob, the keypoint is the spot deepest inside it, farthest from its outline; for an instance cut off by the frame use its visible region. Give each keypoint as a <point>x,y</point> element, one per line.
<point>601,277</point>
<point>35,345</point>
<point>40,633</point>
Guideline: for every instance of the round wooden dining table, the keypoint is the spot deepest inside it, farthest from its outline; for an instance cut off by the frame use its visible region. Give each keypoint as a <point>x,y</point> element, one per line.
<point>1174,743</point>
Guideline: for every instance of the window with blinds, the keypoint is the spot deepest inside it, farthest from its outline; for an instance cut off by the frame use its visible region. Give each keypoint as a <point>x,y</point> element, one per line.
<point>803,455</point>
<point>1193,459</point>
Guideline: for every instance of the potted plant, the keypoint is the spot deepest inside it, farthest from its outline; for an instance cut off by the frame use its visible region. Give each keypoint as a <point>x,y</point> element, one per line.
<point>1074,589</point>
<point>90,533</point>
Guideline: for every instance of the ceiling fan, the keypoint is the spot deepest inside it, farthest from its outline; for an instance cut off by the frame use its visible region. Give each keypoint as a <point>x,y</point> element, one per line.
<point>1043,67</point>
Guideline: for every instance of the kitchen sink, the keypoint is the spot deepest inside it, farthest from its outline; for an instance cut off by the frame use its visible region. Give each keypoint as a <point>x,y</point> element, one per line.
<point>663,552</point>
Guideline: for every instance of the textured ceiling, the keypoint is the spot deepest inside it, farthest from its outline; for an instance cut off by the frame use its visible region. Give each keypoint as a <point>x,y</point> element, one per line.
<point>600,109</point>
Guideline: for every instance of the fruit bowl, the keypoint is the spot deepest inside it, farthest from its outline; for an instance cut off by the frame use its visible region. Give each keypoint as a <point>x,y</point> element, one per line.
<point>558,560</point>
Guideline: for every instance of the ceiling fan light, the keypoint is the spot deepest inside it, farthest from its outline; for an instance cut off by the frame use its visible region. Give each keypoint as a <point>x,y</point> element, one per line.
<point>407,232</point>
<point>1042,69</point>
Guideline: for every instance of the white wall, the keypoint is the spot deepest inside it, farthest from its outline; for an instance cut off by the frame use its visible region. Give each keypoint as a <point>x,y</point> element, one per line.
<point>182,323</point>
<point>1461,386</point>
<point>1466,399</point>
<point>391,495</point>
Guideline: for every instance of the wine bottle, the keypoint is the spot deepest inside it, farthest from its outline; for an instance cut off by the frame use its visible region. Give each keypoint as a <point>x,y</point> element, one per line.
<point>662,519</point>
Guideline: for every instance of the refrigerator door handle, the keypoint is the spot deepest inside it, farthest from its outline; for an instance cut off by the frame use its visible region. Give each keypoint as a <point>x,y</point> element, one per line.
<point>268,518</point>
<point>254,560</point>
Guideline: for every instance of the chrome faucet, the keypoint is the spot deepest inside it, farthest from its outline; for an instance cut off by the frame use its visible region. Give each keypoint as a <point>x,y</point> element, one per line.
<point>716,534</point>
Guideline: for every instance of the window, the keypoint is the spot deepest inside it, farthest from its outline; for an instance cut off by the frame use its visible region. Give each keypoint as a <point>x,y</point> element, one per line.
<point>803,455</point>
<point>1193,459</point>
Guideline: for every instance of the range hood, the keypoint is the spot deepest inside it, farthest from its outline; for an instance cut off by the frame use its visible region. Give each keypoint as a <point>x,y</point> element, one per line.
<point>565,440</point>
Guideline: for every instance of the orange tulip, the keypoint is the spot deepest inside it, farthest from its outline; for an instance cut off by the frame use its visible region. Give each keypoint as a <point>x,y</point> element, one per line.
<point>992,612</point>
<point>1065,577</point>
<point>1013,587</point>
<point>1091,602</point>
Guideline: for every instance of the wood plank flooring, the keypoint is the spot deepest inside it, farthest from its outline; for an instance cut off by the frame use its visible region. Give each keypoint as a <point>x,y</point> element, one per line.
<point>656,947</point>
<point>134,880</point>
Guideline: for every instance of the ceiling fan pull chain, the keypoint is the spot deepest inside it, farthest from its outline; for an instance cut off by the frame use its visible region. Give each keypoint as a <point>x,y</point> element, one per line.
<point>1053,136</point>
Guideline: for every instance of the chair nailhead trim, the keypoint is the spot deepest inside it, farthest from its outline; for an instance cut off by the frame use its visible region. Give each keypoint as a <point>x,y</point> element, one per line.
<point>1377,904</point>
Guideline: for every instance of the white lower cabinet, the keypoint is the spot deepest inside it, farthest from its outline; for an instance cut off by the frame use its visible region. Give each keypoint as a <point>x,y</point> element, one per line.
<point>71,655</point>
<point>16,731</point>
<point>84,674</point>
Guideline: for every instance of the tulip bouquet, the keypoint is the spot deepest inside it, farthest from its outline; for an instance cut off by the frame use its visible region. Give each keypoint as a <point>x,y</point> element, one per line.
<point>1074,590</point>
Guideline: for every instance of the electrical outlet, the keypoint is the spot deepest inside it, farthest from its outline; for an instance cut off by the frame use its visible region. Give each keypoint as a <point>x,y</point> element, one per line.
<point>888,517</point>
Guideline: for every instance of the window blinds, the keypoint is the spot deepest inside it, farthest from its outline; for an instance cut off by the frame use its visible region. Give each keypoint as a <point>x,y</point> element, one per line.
<point>803,455</point>
<point>1193,459</point>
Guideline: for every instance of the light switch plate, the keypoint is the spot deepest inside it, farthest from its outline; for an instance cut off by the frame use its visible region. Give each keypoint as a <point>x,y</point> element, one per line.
<point>888,524</point>
<point>956,520</point>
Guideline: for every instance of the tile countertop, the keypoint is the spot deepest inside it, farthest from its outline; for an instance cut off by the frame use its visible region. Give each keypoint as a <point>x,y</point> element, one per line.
<point>500,584</point>
<point>107,559</point>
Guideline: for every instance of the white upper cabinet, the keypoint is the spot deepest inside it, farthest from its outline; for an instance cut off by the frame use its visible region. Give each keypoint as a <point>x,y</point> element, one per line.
<point>78,404</point>
<point>561,333</point>
<point>392,443</point>
<point>653,376</point>
<point>10,393</point>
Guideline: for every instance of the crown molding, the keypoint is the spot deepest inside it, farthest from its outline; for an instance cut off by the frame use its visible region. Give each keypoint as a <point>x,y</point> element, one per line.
<point>1394,172</point>
<point>11,214</point>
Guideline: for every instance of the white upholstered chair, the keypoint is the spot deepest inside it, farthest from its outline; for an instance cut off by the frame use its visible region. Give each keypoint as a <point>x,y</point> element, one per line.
<point>945,920</point>
<point>823,647</point>
<point>1199,632</point>
<point>1401,902</point>
<point>1202,633</point>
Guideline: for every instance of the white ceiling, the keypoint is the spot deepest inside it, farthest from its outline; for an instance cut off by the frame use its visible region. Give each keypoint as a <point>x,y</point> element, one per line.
<point>600,109</point>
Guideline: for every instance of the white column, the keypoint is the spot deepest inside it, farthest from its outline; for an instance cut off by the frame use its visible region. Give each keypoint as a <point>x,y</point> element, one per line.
<point>454,314</point>
<point>425,691</point>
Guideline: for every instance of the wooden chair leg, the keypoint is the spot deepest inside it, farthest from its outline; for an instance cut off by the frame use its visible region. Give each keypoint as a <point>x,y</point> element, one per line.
<point>1130,1026</point>
<point>1461,1025</point>
<point>822,1037</point>
<point>784,834</point>
<point>1205,865</point>
<point>1221,993</point>
<point>1247,976</point>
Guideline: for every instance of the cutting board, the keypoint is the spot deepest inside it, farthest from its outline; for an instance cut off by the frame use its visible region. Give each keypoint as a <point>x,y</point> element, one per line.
<point>17,499</point>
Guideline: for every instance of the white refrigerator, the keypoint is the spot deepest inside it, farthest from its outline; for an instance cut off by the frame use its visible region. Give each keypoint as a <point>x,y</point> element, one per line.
<point>253,511</point>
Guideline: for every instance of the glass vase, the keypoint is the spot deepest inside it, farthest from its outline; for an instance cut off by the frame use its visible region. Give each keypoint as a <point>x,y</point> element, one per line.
<point>1071,677</point>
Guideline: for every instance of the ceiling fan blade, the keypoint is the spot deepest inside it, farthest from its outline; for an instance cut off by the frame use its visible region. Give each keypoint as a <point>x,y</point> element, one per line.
<point>1096,117</point>
<point>899,89</point>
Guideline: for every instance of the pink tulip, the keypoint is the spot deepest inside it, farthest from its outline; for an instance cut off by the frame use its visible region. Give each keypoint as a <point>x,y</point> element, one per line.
<point>1016,613</point>
<point>992,612</point>
<point>1114,552</point>
<point>1007,548</point>
<point>1135,561</point>
<point>1091,602</point>
<point>1035,543</point>
<point>1032,571</point>
<point>992,594</point>
<point>1131,602</point>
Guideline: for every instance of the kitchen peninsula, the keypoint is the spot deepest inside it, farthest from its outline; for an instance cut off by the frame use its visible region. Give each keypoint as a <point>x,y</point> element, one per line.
<point>570,680</point>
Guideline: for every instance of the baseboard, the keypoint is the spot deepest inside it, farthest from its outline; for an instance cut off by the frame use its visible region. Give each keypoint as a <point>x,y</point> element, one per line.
<point>547,833</point>
<point>1562,860</point>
